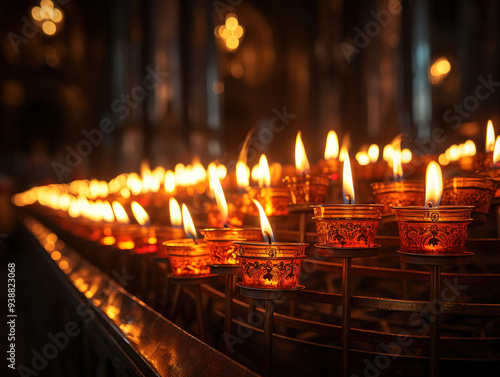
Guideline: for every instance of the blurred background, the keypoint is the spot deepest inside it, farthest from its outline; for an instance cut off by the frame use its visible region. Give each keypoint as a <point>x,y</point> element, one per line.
<point>91,88</point>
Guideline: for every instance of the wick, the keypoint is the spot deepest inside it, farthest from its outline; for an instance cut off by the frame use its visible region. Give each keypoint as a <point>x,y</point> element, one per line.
<point>429,204</point>
<point>349,199</point>
<point>268,237</point>
<point>226,225</point>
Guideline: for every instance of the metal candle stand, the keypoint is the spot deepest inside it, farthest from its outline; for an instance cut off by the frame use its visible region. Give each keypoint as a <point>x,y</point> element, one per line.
<point>435,261</point>
<point>230,270</point>
<point>346,254</point>
<point>269,295</point>
<point>303,210</point>
<point>195,281</point>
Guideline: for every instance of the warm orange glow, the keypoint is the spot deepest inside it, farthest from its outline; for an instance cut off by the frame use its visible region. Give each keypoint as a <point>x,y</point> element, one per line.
<point>438,70</point>
<point>175,212</point>
<point>348,186</point>
<point>454,156</point>
<point>49,28</point>
<point>108,240</point>
<point>387,152</point>
<point>264,173</point>
<point>342,153</point>
<point>443,159</point>
<point>134,183</point>
<point>219,196</point>
<point>188,223</point>
<point>301,162</point>
<point>373,152</point>
<point>490,137</point>
<point>140,214</point>
<point>496,153</point>
<point>433,184</point>
<point>120,213</point>
<point>169,183</point>
<point>125,245</point>
<point>397,168</point>
<point>362,158</point>
<point>332,146</point>
<point>107,212</point>
<point>267,231</point>
<point>242,175</point>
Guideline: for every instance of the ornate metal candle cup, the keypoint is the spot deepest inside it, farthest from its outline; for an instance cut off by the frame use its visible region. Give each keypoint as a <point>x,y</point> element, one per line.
<point>347,225</point>
<point>235,215</point>
<point>187,257</point>
<point>274,200</point>
<point>470,191</point>
<point>273,265</point>
<point>433,230</point>
<point>307,188</point>
<point>493,174</point>
<point>221,246</point>
<point>403,193</point>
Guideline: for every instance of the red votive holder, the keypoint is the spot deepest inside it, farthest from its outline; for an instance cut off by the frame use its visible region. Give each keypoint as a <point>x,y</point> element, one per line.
<point>274,200</point>
<point>347,225</point>
<point>186,257</point>
<point>220,242</point>
<point>307,188</point>
<point>433,230</point>
<point>273,265</point>
<point>402,193</point>
<point>470,191</point>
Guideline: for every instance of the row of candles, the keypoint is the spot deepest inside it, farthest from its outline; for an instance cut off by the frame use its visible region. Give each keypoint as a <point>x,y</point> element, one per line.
<point>425,226</point>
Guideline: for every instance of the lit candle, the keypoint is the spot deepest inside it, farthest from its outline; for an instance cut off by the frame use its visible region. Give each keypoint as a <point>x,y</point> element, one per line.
<point>304,187</point>
<point>270,264</point>
<point>433,229</point>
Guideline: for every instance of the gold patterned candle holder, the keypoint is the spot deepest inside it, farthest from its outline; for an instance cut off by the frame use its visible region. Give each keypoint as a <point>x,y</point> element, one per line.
<point>433,230</point>
<point>186,257</point>
<point>493,174</point>
<point>307,189</point>
<point>347,225</point>
<point>470,191</point>
<point>215,219</point>
<point>274,200</point>
<point>273,265</point>
<point>403,193</point>
<point>220,242</point>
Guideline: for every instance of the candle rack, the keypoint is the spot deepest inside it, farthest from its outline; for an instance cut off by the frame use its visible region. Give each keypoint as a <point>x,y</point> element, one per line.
<point>346,254</point>
<point>435,261</point>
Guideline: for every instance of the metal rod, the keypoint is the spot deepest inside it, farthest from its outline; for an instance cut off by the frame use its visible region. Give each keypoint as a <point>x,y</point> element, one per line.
<point>268,336</point>
<point>199,311</point>
<point>435,317</point>
<point>346,315</point>
<point>302,226</point>
<point>175,301</point>
<point>228,318</point>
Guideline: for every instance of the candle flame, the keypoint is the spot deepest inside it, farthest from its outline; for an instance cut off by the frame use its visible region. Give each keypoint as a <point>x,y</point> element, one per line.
<point>469,148</point>
<point>242,175</point>
<point>140,214</point>
<point>490,137</point>
<point>301,161</point>
<point>387,152</point>
<point>397,168</point>
<point>169,183</point>
<point>332,146</point>
<point>373,152</point>
<point>107,212</point>
<point>264,173</point>
<point>496,154</point>
<point>120,213</point>
<point>175,212</point>
<point>267,231</point>
<point>348,186</point>
<point>187,220</point>
<point>433,184</point>
<point>219,196</point>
